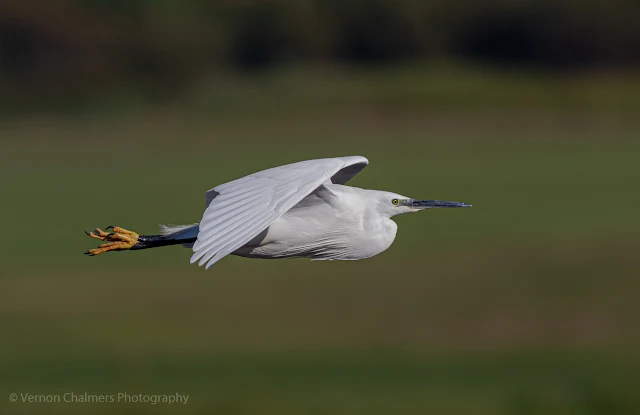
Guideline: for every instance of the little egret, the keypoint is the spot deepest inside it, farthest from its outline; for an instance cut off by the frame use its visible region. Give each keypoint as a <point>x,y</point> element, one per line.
<point>297,210</point>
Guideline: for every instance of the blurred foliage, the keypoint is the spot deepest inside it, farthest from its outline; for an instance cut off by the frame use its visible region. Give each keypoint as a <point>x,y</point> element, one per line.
<point>66,48</point>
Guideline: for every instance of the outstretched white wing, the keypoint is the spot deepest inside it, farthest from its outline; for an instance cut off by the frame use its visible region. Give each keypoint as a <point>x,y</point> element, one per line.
<point>239,210</point>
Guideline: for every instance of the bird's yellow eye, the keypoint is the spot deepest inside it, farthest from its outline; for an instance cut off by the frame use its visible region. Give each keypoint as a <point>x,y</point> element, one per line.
<point>395,201</point>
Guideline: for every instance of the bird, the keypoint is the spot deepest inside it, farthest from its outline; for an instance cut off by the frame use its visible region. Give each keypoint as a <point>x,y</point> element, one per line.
<point>302,210</point>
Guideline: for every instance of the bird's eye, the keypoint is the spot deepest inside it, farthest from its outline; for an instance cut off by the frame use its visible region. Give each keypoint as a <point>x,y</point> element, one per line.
<point>395,201</point>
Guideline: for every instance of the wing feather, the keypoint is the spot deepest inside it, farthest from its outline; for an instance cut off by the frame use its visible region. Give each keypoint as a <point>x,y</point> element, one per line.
<point>239,210</point>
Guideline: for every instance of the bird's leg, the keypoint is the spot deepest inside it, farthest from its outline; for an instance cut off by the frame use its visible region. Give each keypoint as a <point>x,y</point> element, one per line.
<point>110,246</point>
<point>119,240</point>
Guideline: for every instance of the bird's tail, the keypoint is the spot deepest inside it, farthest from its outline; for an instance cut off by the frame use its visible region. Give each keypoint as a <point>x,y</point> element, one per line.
<point>121,239</point>
<point>185,234</point>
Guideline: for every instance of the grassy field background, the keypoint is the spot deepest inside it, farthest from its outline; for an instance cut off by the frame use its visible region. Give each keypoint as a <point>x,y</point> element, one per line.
<point>524,304</point>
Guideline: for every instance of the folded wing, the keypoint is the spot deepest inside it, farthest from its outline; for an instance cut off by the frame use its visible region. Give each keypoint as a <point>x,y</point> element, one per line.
<point>239,210</point>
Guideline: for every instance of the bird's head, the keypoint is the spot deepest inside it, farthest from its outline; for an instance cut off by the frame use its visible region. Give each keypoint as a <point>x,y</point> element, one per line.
<point>392,204</point>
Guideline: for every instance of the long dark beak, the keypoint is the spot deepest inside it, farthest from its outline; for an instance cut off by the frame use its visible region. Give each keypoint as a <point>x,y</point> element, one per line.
<point>433,204</point>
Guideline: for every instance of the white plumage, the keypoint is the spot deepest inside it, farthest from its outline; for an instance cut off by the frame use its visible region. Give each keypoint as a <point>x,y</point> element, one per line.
<point>299,210</point>
<point>240,210</point>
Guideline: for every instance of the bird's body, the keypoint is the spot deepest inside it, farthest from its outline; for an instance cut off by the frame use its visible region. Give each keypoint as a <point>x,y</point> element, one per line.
<point>330,223</point>
<point>297,210</point>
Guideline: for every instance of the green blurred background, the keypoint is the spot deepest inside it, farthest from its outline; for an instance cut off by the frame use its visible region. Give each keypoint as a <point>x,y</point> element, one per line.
<point>126,112</point>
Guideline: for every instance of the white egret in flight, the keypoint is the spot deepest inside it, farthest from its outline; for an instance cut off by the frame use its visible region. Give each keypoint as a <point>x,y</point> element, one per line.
<point>302,209</point>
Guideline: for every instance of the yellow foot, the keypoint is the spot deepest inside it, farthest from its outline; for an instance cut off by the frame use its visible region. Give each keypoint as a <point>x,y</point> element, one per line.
<point>118,240</point>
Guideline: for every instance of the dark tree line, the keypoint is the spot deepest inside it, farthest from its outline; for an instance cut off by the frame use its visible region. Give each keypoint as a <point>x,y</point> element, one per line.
<point>81,42</point>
